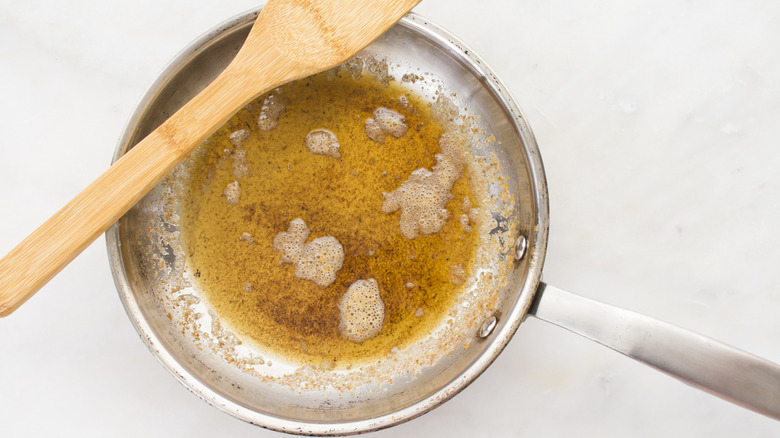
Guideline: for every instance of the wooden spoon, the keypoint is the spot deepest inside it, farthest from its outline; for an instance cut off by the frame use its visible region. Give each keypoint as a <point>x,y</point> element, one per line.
<point>291,39</point>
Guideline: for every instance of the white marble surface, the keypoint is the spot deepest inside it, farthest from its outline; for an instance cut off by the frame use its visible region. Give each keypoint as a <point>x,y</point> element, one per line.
<point>659,127</point>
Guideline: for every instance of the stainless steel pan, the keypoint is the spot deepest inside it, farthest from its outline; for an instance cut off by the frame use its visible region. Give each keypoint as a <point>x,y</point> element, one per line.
<point>151,277</point>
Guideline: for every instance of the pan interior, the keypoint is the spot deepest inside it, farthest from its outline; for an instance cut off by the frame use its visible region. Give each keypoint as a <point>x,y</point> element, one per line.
<point>152,276</point>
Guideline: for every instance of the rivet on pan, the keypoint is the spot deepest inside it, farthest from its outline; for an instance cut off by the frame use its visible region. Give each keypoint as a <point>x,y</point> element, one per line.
<point>521,244</point>
<point>487,327</point>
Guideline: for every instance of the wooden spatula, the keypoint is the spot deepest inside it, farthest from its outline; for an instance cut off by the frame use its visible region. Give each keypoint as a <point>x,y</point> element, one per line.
<point>291,39</point>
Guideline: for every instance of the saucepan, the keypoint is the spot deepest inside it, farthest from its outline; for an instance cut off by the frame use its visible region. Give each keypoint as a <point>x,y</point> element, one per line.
<point>164,304</point>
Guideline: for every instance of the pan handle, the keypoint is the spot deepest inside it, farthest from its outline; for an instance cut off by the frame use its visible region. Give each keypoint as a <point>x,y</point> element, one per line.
<point>712,366</point>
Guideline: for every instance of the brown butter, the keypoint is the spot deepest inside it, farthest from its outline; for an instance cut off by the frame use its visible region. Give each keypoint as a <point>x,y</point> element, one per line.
<point>342,198</point>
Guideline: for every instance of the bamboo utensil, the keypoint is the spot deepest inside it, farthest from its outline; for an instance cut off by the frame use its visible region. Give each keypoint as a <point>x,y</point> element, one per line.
<point>291,39</point>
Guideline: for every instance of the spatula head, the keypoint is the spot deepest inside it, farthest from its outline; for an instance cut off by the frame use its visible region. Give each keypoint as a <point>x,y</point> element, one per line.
<point>314,35</point>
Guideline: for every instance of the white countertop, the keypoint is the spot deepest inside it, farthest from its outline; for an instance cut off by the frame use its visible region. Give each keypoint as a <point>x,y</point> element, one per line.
<point>659,126</point>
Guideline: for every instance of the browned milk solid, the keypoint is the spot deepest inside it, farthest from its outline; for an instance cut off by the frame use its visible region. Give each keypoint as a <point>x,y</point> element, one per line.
<point>276,179</point>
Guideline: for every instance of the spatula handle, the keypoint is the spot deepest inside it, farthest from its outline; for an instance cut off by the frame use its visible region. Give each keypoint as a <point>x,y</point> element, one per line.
<point>40,256</point>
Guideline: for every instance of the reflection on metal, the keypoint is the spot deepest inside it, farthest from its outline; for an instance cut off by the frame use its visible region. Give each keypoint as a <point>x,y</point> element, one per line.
<point>487,327</point>
<point>521,244</point>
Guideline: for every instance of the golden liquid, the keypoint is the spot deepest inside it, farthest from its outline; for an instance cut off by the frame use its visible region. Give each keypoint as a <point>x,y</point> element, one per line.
<point>342,198</point>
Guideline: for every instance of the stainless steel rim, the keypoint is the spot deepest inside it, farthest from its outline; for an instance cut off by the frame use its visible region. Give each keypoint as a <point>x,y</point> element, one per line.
<point>507,324</point>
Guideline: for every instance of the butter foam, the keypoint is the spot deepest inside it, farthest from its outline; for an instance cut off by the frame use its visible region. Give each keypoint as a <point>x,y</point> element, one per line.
<point>361,311</point>
<point>318,260</point>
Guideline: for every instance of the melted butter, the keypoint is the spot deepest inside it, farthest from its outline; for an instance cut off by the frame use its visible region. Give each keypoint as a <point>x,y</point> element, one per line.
<point>230,246</point>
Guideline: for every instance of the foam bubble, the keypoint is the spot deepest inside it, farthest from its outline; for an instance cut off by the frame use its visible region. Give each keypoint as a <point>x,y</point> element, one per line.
<point>269,113</point>
<point>361,311</point>
<point>379,68</point>
<point>240,167</point>
<point>390,121</point>
<point>374,131</point>
<point>237,138</point>
<point>290,243</point>
<point>474,214</point>
<point>469,215</point>
<point>464,222</point>
<point>318,260</point>
<point>444,110</point>
<point>466,206</point>
<point>232,193</point>
<point>423,196</point>
<point>353,66</point>
<point>385,121</point>
<point>323,142</point>
<point>458,274</point>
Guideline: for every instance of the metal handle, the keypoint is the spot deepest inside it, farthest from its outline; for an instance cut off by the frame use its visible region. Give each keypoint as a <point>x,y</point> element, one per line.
<point>697,360</point>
